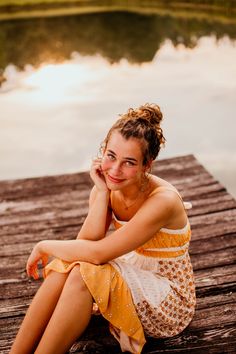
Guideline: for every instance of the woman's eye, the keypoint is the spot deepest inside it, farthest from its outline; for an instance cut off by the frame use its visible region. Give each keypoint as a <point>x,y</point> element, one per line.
<point>129,163</point>
<point>111,157</point>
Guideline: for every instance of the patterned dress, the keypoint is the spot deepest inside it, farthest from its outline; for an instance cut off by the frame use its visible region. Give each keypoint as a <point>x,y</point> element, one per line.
<point>147,292</point>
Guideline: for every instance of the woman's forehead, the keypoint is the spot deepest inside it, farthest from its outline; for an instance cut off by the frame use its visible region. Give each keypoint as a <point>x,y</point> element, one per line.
<point>124,147</point>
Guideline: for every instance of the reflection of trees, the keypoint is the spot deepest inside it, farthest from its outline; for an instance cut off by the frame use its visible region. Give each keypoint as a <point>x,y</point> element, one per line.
<point>116,35</point>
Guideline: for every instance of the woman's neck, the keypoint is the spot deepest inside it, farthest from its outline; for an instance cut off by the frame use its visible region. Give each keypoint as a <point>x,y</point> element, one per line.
<point>130,192</point>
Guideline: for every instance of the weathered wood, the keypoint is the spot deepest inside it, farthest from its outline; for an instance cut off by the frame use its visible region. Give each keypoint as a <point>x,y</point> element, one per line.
<point>54,207</point>
<point>196,341</point>
<point>12,211</point>
<point>215,276</point>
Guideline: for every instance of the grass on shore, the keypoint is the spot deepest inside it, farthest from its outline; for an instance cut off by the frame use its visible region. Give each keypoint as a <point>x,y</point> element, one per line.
<point>205,3</point>
<point>34,2</point>
<point>223,11</point>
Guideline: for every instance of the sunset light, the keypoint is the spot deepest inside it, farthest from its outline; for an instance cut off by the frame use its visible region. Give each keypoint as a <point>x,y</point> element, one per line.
<point>51,81</point>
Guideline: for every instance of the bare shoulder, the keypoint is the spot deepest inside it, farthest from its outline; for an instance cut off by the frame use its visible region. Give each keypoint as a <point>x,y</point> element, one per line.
<point>163,189</point>
<point>162,200</point>
<point>164,195</point>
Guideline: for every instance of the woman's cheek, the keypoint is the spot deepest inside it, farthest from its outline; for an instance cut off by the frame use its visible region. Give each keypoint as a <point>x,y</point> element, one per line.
<point>132,172</point>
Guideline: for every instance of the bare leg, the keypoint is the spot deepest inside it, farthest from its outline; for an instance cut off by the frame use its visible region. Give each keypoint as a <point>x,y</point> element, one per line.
<point>70,318</point>
<point>38,314</point>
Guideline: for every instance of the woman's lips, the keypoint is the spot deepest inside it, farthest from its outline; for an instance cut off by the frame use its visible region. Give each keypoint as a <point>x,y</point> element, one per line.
<point>115,180</point>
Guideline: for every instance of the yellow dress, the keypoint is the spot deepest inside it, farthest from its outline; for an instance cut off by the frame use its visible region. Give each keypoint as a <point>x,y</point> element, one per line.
<point>147,292</point>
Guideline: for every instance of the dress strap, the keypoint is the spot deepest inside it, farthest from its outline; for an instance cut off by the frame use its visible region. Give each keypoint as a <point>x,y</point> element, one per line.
<point>187,205</point>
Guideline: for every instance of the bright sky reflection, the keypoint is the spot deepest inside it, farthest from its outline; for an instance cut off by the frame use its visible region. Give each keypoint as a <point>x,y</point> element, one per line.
<point>54,118</point>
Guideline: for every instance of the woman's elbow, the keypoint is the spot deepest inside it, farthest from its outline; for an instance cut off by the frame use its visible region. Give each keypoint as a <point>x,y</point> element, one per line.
<point>98,253</point>
<point>100,257</point>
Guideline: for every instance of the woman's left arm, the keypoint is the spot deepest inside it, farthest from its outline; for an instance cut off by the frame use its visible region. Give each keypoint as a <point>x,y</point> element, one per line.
<point>153,215</point>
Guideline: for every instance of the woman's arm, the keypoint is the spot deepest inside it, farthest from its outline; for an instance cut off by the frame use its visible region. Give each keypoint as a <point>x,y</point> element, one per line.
<point>99,215</point>
<point>154,214</point>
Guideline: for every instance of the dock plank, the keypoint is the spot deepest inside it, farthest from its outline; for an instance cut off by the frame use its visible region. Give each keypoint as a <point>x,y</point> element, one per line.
<point>54,207</point>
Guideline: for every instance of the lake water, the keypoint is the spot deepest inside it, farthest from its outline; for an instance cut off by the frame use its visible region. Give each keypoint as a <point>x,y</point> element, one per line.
<point>67,79</point>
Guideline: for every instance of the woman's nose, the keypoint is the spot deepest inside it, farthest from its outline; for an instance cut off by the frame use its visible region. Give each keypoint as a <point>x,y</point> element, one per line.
<point>116,168</point>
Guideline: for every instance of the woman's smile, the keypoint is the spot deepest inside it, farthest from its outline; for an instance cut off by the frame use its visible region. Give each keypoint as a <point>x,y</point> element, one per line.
<point>114,179</point>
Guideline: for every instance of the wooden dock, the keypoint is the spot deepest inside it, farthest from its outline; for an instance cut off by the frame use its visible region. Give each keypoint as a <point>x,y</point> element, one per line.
<point>55,207</point>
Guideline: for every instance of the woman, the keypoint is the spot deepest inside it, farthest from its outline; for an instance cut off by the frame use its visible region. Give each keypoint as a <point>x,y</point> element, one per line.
<point>139,276</point>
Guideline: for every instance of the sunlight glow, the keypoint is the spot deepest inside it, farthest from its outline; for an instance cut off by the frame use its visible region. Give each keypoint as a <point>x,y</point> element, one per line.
<point>50,83</point>
<point>75,79</point>
<point>53,81</point>
<point>49,76</point>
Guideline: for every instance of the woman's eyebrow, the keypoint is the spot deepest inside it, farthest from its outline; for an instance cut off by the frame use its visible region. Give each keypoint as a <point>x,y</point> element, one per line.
<point>125,158</point>
<point>112,152</point>
<point>130,159</point>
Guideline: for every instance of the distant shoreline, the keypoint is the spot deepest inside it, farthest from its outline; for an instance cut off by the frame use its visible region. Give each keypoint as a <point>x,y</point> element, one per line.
<point>224,12</point>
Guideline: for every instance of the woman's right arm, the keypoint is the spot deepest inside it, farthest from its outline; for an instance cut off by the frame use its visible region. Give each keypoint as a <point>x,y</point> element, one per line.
<point>99,216</point>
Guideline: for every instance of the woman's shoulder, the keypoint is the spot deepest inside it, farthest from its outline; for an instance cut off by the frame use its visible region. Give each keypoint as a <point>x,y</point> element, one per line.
<point>159,185</point>
<point>165,190</point>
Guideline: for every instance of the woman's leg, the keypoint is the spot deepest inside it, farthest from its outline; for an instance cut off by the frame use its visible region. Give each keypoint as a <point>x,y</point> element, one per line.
<point>70,318</point>
<point>38,314</point>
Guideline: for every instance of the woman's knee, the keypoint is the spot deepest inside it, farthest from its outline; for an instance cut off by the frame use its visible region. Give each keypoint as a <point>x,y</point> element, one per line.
<point>56,278</point>
<point>75,280</point>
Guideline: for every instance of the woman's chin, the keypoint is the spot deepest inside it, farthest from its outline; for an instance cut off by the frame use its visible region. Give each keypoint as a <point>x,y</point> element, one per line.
<point>113,187</point>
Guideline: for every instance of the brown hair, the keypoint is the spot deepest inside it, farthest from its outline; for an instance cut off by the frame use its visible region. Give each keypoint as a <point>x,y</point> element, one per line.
<point>141,123</point>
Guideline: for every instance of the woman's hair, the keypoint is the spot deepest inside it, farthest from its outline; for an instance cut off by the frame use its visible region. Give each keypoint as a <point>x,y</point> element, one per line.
<point>142,123</point>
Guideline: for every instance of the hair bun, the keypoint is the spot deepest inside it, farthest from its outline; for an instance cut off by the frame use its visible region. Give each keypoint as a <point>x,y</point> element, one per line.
<point>151,112</point>
<point>141,123</point>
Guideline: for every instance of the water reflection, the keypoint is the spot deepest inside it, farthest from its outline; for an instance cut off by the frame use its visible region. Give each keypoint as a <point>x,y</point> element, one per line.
<point>49,83</point>
<point>67,79</point>
<point>54,118</point>
<point>113,35</point>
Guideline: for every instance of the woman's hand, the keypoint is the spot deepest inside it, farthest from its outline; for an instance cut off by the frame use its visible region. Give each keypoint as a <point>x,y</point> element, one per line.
<point>35,257</point>
<point>97,175</point>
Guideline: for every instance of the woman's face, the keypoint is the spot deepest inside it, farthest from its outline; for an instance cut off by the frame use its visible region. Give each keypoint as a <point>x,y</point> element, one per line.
<point>122,162</point>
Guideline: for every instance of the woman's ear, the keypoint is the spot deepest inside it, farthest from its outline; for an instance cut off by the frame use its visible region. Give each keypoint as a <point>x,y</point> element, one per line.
<point>148,166</point>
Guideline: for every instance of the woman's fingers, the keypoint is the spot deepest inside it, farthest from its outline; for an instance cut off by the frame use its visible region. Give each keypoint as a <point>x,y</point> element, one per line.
<point>97,160</point>
<point>32,263</point>
<point>35,257</point>
<point>96,163</point>
<point>44,260</point>
<point>96,174</point>
<point>95,166</point>
<point>32,271</point>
